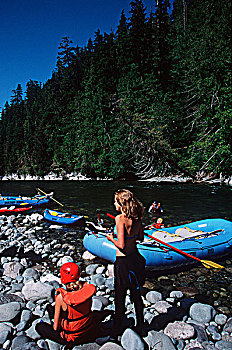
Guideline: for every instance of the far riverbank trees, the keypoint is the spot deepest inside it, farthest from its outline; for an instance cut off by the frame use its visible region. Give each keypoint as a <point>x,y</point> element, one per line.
<point>150,98</point>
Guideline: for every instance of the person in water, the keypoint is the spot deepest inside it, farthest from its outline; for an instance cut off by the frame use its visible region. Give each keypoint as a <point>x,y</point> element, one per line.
<point>158,224</point>
<point>74,323</point>
<point>155,208</point>
<point>129,267</point>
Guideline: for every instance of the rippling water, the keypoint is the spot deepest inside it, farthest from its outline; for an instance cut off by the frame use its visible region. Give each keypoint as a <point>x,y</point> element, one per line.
<point>180,202</point>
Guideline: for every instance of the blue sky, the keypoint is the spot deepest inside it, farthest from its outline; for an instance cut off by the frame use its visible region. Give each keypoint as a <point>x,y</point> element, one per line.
<point>31,31</point>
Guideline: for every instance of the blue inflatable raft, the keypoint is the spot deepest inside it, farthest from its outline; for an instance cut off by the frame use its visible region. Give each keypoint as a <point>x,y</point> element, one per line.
<point>60,218</point>
<point>205,239</point>
<point>8,201</point>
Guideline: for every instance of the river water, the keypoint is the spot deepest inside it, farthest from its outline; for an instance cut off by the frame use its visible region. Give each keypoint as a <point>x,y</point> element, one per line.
<point>182,203</point>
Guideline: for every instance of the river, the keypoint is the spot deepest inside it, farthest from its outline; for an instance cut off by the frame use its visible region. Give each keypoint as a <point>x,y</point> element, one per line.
<point>181,202</point>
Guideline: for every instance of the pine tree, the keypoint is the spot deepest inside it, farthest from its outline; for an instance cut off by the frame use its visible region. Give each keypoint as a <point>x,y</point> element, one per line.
<point>123,46</point>
<point>137,25</point>
<point>17,96</point>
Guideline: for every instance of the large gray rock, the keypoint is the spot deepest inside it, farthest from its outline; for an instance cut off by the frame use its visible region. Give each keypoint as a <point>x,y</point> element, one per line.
<point>31,332</point>
<point>5,327</point>
<point>162,306</point>
<point>202,313</point>
<point>9,311</point>
<point>153,296</point>
<point>13,269</point>
<point>159,341</point>
<point>3,336</point>
<point>19,342</point>
<point>131,340</point>
<point>5,331</point>
<point>31,273</point>
<point>228,326</point>
<point>6,298</point>
<point>223,345</point>
<point>35,291</point>
<point>179,330</point>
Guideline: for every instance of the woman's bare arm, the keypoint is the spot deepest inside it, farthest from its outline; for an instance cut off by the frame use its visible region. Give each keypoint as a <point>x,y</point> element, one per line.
<point>120,242</point>
<point>59,301</point>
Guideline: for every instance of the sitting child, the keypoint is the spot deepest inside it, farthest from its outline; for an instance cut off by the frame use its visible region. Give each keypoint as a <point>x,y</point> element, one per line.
<point>74,322</point>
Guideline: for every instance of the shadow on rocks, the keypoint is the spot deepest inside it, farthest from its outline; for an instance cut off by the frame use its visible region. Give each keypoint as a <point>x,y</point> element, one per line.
<point>31,255</point>
<point>174,314</point>
<point>12,252</point>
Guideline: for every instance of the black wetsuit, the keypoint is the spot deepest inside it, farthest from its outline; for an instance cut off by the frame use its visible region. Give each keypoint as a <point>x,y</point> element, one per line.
<point>129,273</point>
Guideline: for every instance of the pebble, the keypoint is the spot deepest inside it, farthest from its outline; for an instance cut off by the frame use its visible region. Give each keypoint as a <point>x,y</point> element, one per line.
<point>30,261</point>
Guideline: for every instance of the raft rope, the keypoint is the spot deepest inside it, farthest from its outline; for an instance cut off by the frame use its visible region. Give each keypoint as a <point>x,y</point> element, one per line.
<point>202,234</point>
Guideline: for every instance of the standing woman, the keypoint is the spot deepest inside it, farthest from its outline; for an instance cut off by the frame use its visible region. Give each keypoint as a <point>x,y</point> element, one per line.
<point>129,267</point>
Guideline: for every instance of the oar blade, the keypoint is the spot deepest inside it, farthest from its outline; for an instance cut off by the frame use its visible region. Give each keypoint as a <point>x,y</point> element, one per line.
<point>210,264</point>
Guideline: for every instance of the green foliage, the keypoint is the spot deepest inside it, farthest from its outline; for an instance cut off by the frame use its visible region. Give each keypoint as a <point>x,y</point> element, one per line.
<point>154,95</point>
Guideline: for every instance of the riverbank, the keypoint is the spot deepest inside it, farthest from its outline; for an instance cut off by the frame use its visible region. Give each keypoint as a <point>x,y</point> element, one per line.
<point>79,177</point>
<point>186,311</point>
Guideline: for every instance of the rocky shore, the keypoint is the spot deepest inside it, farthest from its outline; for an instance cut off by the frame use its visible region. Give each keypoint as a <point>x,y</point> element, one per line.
<point>31,254</point>
<point>78,176</point>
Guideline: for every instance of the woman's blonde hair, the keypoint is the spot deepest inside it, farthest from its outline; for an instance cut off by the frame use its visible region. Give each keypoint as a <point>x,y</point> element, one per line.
<point>72,286</point>
<point>130,206</point>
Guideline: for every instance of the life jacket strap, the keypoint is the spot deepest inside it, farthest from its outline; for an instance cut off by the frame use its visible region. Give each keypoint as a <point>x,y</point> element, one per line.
<point>76,319</point>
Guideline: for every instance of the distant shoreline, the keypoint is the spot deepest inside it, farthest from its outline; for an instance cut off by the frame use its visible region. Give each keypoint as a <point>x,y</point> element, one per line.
<point>79,177</point>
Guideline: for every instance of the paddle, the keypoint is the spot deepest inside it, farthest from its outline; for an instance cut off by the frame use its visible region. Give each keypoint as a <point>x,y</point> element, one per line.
<point>206,263</point>
<point>38,189</point>
<point>104,212</point>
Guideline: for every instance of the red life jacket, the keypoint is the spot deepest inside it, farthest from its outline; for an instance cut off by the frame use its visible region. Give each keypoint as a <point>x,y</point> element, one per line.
<point>159,225</point>
<point>78,320</point>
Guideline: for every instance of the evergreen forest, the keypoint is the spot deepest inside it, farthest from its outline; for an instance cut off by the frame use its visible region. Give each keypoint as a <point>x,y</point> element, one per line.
<point>151,98</point>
